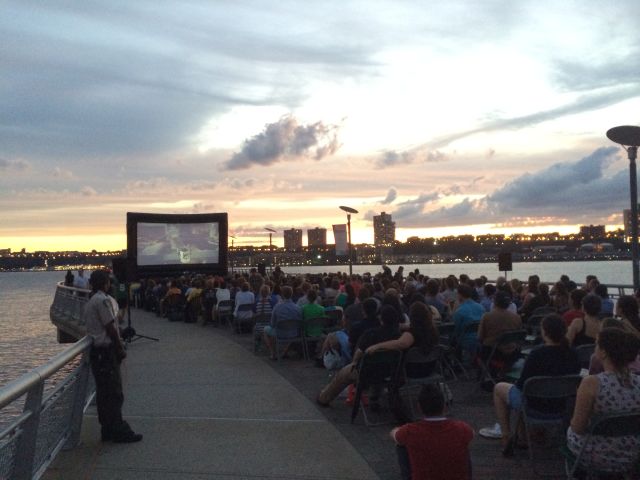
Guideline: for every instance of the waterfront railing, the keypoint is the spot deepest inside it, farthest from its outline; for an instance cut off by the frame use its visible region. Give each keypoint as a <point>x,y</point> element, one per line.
<point>41,412</point>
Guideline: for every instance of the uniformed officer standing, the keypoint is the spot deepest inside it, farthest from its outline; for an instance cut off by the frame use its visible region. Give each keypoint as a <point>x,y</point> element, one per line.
<point>107,353</point>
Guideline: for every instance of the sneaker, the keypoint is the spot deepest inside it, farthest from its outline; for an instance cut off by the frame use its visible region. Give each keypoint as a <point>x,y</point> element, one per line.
<point>494,432</point>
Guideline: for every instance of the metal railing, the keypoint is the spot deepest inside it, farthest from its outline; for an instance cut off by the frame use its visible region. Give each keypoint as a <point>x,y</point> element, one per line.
<point>55,396</point>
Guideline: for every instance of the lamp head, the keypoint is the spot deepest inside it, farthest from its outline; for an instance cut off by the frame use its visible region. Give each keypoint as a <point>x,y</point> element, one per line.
<point>348,209</point>
<point>625,135</point>
<point>270,230</point>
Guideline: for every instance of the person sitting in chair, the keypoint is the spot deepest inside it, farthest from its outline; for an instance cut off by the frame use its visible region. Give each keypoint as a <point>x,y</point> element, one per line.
<point>554,358</point>
<point>614,390</point>
<point>349,374</point>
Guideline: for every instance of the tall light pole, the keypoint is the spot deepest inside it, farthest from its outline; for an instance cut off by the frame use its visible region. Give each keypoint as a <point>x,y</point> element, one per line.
<point>271,232</point>
<point>628,137</point>
<point>349,211</point>
<point>232,259</point>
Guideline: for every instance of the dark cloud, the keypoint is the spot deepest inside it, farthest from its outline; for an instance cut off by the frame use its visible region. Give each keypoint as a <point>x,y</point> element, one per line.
<point>458,189</point>
<point>14,165</point>
<point>415,155</point>
<point>392,194</point>
<point>114,80</point>
<point>286,140</point>
<point>575,191</point>
<point>415,206</point>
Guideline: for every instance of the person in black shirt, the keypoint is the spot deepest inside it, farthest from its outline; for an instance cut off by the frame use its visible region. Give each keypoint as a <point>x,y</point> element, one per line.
<point>349,374</point>
<point>554,358</point>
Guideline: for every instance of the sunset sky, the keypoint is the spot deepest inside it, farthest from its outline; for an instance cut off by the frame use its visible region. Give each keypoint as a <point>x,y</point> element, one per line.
<point>455,117</point>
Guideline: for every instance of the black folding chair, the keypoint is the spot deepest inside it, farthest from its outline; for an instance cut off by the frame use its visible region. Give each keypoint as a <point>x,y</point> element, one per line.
<point>620,424</point>
<point>584,354</point>
<point>284,335</point>
<point>492,368</point>
<point>548,402</point>
<point>412,378</point>
<point>378,369</point>
<point>260,321</point>
<point>243,316</point>
<point>224,311</point>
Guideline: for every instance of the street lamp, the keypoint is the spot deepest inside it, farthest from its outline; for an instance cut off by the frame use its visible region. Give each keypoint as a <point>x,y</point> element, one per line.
<point>628,137</point>
<point>349,211</point>
<point>271,232</point>
<point>233,258</point>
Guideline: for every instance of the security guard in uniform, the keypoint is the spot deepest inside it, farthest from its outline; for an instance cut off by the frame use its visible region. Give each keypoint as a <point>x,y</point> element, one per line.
<point>107,352</point>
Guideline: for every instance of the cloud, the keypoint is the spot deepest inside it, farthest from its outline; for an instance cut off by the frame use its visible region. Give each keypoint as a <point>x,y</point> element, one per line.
<point>286,140</point>
<point>392,194</point>
<point>415,206</point>
<point>88,191</point>
<point>457,189</point>
<point>584,103</point>
<point>391,158</point>
<point>574,192</point>
<point>61,173</point>
<point>14,165</point>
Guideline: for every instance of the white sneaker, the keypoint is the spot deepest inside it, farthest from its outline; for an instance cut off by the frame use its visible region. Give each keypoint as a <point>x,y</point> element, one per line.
<point>491,432</point>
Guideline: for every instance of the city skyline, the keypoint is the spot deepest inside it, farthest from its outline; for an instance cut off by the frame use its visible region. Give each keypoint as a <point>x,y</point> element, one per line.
<point>455,118</point>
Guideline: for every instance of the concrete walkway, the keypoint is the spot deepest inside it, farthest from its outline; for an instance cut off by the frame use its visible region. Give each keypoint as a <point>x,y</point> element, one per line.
<point>209,410</point>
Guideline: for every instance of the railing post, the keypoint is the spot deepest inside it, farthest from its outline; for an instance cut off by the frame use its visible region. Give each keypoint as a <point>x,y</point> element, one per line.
<point>26,446</point>
<point>77,411</point>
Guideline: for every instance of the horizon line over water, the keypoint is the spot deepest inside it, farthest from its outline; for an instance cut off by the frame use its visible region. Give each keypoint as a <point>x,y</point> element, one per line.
<point>29,337</point>
<point>614,272</point>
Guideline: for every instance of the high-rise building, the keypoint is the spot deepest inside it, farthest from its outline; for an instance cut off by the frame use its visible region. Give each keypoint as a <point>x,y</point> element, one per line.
<point>589,232</point>
<point>384,230</point>
<point>317,237</point>
<point>293,240</point>
<point>626,219</point>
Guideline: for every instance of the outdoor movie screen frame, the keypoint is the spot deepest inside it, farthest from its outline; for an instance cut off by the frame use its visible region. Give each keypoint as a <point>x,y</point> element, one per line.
<point>159,243</point>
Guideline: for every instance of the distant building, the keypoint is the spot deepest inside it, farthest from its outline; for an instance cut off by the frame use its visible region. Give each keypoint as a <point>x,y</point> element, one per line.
<point>592,231</point>
<point>293,240</point>
<point>384,230</point>
<point>626,219</point>
<point>317,237</point>
<point>5,252</point>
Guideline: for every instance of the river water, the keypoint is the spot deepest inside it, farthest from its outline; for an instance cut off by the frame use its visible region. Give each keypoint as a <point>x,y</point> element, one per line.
<point>28,338</point>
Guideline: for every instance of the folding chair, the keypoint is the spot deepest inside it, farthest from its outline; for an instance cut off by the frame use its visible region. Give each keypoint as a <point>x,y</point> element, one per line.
<point>378,369</point>
<point>317,324</point>
<point>559,393</point>
<point>492,364</point>
<point>335,313</point>
<point>174,306</point>
<point>260,321</point>
<point>620,424</point>
<point>455,356</point>
<point>224,311</point>
<point>449,360</point>
<point>584,354</point>
<point>193,309</point>
<point>242,316</point>
<point>285,337</point>
<point>415,361</point>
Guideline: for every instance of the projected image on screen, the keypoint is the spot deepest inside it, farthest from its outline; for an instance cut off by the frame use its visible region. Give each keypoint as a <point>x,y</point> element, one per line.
<point>178,243</point>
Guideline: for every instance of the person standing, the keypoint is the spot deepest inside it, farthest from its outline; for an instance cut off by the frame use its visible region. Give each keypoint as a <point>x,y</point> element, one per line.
<point>80,281</point>
<point>107,352</point>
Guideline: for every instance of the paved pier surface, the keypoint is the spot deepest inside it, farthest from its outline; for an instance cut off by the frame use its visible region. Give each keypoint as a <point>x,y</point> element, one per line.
<point>209,410</point>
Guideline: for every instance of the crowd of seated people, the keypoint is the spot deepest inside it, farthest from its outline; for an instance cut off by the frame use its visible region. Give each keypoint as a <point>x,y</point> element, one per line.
<point>389,310</point>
